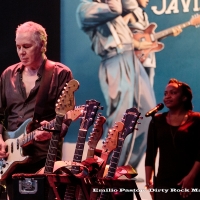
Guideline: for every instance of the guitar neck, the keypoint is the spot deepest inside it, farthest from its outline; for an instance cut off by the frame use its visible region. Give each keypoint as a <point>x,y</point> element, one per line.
<point>53,147</point>
<point>112,168</point>
<point>79,150</point>
<point>52,152</point>
<point>115,159</point>
<point>29,137</point>
<point>169,31</point>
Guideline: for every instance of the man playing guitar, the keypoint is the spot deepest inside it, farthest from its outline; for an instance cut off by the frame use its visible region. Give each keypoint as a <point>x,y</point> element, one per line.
<point>20,85</point>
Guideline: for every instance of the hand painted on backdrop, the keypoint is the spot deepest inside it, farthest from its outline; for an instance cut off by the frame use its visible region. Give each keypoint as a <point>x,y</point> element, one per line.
<point>176,31</point>
<point>144,45</point>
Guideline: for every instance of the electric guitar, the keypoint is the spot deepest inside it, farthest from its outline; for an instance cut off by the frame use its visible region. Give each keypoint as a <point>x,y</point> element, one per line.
<point>150,36</point>
<point>94,138</point>
<point>15,146</point>
<point>88,118</point>
<point>130,120</point>
<point>109,145</point>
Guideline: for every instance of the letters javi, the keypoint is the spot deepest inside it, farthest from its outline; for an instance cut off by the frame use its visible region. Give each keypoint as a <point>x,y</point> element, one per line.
<point>174,5</point>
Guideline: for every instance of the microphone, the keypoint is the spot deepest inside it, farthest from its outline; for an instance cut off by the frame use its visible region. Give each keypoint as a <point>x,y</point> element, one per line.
<point>160,106</point>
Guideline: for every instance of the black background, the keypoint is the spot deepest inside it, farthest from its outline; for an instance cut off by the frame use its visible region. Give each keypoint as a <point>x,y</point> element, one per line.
<point>15,12</point>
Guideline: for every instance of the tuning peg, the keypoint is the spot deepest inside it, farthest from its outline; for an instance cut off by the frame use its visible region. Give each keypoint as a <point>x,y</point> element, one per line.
<point>136,129</point>
<point>138,123</point>
<point>141,117</point>
<point>100,107</point>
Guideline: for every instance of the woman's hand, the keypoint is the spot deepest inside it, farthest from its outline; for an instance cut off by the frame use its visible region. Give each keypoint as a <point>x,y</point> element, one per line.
<point>186,185</point>
<point>150,186</point>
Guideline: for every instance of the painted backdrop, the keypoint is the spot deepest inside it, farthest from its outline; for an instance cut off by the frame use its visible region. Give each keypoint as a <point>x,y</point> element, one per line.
<point>179,59</point>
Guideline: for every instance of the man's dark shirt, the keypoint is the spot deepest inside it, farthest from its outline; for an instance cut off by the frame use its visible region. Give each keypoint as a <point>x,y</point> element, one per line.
<point>19,107</point>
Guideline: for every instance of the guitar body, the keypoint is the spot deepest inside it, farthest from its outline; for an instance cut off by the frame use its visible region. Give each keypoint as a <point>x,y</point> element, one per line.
<point>18,132</point>
<point>147,35</point>
<point>15,151</point>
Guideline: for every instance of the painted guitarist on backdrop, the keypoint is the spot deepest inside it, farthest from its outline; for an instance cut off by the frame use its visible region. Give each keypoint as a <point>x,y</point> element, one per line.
<point>123,80</point>
<point>19,85</point>
<point>137,20</point>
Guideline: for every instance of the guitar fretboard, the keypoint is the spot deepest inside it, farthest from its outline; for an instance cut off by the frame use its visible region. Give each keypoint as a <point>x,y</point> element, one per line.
<point>169,31</point>
<point>79,150</point>
<point>53,147</point>
<point>115,159</point>
<point>27,138</point>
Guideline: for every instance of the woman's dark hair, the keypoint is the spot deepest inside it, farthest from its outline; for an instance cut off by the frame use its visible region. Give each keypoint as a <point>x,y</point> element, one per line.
<point>187,92</point>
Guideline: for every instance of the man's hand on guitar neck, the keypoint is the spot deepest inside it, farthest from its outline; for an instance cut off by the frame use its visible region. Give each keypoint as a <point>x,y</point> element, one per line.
<point>3,153</point>
<point>42,135</point>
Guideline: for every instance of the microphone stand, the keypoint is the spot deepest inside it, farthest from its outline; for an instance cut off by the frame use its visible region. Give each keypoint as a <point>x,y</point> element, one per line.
<point>154,139</point>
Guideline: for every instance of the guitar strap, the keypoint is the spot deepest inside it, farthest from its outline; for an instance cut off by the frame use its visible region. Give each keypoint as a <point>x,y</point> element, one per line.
<point>119,47</point>
<point>42,95</point>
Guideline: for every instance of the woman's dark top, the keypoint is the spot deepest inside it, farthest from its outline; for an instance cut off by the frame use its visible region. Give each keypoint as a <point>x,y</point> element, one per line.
<point>179,148</point>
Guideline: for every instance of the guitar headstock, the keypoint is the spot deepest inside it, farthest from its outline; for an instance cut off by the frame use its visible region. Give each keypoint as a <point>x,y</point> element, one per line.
<point>195,20</point>
<point>97,132</point>
<point>111,141</point>
<point>130,120</point>
<point>91,108</point>
<point>76,113</point>
<point>66,100</point>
